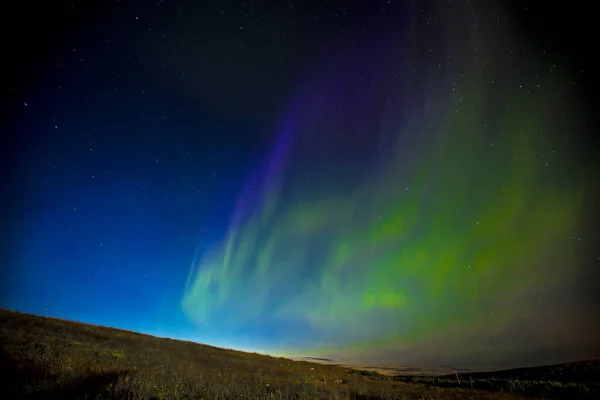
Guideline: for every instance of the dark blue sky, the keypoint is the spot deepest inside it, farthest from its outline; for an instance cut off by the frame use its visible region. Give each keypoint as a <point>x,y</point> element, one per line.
<point>117,177</point>
<point>133,133</point>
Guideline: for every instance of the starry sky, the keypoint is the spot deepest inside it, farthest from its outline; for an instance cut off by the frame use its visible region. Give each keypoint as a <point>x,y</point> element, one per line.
<point>375,182</point>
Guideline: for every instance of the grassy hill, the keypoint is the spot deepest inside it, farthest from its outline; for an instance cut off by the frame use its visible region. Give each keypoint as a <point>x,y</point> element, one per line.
<point>51,358</point>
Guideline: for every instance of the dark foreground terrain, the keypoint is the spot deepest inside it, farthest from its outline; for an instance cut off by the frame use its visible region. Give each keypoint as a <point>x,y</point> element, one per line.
<point>51,358</point>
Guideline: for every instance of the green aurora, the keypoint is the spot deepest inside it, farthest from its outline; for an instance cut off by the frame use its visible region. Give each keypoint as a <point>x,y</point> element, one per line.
<point>451,220</point>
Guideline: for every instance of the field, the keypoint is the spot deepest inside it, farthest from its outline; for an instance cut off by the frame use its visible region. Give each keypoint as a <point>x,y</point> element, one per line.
<point>51,358</point>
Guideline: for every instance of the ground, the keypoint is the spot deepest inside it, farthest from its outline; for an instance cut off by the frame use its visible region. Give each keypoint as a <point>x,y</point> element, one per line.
<point>51,358</point>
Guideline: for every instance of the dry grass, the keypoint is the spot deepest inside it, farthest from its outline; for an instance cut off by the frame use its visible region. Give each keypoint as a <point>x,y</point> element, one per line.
<point>44,357</point>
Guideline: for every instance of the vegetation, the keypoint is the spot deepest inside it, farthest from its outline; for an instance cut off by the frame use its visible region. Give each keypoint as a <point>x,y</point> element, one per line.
<point>50,358</point>
<point>541,388</point>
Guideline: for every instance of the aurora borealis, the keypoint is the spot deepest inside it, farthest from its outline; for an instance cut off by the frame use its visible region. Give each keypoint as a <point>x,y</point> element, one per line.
<point>388,213</point>
<point>400,184</point>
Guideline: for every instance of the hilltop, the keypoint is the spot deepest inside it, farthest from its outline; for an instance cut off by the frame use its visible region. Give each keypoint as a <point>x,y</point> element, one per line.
<point>44,357</point>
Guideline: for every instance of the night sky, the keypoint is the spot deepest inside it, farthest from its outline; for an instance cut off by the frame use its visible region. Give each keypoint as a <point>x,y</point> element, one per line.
<point>377,182</point>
